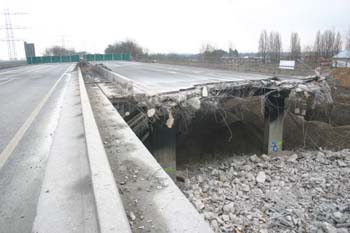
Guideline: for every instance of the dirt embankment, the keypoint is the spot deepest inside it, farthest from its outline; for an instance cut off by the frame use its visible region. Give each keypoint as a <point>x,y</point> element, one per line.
<point>341,77</point>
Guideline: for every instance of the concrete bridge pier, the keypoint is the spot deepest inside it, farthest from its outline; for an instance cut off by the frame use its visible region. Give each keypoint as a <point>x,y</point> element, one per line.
<point>163,145</point>
<point>274,112</point>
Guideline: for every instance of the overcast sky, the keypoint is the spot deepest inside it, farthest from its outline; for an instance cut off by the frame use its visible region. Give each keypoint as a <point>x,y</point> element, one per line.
<point>170,25</point>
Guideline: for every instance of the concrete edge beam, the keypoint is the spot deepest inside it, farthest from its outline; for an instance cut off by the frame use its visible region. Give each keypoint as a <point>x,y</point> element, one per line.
<point>110,210</point>
<point>178,214</point>
<point>118,79</point>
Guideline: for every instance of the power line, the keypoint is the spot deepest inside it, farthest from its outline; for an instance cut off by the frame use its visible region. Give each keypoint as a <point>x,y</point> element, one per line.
<point>63,40</point>
<point>10,39</point>
<point>14,27</point>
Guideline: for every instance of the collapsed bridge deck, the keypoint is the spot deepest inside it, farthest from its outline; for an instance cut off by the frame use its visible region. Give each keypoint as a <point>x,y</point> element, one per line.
<point>153,98</point>
<point>161,78</point>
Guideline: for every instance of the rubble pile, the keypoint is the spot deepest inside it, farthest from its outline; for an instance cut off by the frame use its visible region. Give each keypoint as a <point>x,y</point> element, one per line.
<point>294,192</point>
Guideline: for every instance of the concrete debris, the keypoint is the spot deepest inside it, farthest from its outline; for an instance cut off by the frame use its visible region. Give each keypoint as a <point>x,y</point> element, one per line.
<point>261,177</point>
<point>151,112</point>
<point>194,103</point>
<point>313,94</point>
<point>228,208</point>
<point>132,216</point>
<point>170,121</point>
<point>293,158</point>
<point>327,228</point>
<point>205,92</point>
<point>342,163</point>
<point>293,192</point>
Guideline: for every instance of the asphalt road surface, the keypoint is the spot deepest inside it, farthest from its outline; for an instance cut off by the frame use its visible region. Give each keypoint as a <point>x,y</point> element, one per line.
<point>160,78</point>
<point>31,99</point>
<point>21,90</point>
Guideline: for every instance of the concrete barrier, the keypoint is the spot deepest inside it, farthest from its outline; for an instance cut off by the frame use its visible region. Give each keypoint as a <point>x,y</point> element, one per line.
<point>110,211</point>
<point>121,81</point>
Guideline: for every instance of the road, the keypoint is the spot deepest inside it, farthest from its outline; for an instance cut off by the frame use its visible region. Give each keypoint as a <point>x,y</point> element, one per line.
<point>33,130</point>
<point>21,90</point>
<point>8,64</point>
<point>160,78</point>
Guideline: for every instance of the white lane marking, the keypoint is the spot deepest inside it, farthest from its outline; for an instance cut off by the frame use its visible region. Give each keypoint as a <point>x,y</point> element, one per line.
<point>5,154</point>
<point>21,69</point>
<point>16,69</point>
<point>10,71</point>
<point>158,70</point>
<point>6,81</point>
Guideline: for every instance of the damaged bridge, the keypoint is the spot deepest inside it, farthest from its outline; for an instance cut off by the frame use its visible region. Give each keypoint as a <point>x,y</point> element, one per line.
<point>96,147</point>
<point>159,102</point>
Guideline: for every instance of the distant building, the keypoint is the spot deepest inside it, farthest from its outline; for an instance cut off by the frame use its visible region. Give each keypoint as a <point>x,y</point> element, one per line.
<point>342,59</point>
<point>29,49</point>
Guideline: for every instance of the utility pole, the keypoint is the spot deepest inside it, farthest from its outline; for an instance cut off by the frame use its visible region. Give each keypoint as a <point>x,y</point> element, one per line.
<point>63,40</point>
<point>10,39</point>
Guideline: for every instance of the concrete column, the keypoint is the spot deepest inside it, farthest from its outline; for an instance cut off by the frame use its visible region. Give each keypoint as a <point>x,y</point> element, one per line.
<point>163,144</point>
<point>273,120</point>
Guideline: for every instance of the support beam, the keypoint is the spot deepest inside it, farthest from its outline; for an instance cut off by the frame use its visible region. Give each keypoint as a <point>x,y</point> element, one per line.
<point>124,106</point>
<point>273,121</point>
<point>163,142</point>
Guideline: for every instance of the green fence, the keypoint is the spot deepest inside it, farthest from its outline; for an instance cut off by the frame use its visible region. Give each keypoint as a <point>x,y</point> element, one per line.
<point>107,57</point>
<point>53,59</point>
<point>76,58</point>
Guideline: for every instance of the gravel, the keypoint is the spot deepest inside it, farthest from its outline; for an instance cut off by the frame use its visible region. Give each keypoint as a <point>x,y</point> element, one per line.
<point>307,191</point>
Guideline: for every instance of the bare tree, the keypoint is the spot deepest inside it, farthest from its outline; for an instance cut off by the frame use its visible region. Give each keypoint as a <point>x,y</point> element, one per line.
<point>328,39</point>
<point>295,48</point>
<point>263,45</point>
<point>270,46</point>
<point>59,51</point>
<point>308,50</point>
<point>338,44</point>
<point>207,47</point>
<point>347,40</point>
<point>211,54</point>
<point>318,44</point>
<point>276,44</point>
<point>328,43</point>
<point>128,46</point>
